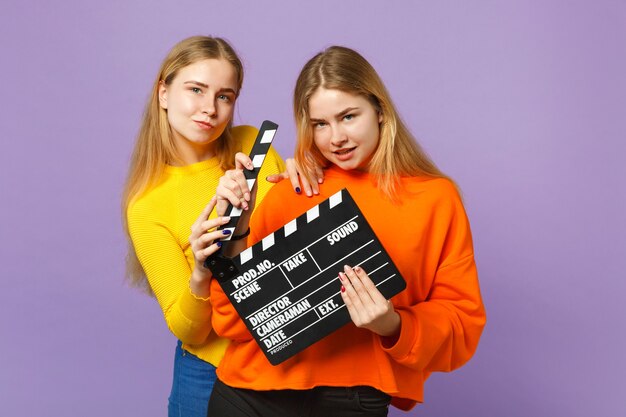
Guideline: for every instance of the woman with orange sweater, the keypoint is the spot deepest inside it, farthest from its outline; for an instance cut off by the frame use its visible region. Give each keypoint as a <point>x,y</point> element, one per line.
<point>348,125</point>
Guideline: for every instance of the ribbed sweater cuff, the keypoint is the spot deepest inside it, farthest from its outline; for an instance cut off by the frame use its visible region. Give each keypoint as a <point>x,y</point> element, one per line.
<point>408,334</point>
<point>196,309</point>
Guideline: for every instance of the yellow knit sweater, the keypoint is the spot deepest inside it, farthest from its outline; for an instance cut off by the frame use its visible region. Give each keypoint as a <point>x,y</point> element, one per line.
<point>160,224</point>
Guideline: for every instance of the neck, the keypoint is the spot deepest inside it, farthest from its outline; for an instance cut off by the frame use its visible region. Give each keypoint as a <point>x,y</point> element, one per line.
<point>190,153</point>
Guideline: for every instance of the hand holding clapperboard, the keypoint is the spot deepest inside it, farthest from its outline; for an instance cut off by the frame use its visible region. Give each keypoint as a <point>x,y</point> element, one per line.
<point>285,287</point>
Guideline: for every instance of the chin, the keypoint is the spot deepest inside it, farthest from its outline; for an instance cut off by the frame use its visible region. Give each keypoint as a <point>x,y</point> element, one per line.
<point>205,140</point>
<point>347,166</point>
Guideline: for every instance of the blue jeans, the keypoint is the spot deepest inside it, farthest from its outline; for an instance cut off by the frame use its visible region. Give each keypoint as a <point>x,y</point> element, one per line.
<point>192,385</point>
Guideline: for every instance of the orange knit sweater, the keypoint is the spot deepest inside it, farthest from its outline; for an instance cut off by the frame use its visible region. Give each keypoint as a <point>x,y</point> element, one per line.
<point>427,234</point>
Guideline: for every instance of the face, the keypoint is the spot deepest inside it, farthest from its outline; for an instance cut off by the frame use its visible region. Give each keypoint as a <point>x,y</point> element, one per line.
<point>199,104</point>
<point>345,127</point>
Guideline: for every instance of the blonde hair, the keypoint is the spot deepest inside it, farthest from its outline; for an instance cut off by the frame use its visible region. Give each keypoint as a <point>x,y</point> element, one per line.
<point>398,153</point>
<point>155,146</point>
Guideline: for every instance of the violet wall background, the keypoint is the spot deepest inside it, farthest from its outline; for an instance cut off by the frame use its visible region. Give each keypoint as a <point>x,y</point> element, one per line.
<point>524,103</point>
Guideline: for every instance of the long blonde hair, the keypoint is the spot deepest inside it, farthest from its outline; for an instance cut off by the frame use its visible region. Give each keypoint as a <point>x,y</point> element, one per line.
<point>398,153</point>
<point>155,146</point>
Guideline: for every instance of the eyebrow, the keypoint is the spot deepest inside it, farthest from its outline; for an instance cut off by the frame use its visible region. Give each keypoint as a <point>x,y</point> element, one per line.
<point>338,115</point>
<point>227,90</point>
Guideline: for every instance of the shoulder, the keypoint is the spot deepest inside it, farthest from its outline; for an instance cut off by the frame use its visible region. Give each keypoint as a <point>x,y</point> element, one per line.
<point>447,207</point>
<point>139,214</point>
<point>444,188</point>
<point>435,189</point>
<point>141,204</point>
<point>437,199</point>
<point>154,203</point>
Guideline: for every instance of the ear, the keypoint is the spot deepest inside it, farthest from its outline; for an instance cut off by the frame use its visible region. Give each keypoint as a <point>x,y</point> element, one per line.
<point>380,117</point>
<point>162,95</point>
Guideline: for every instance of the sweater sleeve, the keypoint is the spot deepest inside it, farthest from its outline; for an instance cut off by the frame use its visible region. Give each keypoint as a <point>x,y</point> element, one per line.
<point>442,332</point>
<point>226,320</point>
<point>188,317</point>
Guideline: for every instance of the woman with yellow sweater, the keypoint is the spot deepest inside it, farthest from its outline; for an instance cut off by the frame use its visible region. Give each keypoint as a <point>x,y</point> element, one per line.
<point>185,145</point>
<point>348,124</point>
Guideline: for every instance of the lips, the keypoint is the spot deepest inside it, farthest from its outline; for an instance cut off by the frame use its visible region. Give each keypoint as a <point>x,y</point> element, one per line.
<point>204,125</point>
<point>344,154</point>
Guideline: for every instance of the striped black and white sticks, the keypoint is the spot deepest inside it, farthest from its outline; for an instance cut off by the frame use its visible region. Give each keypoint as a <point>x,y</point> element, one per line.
<point>221,266</point>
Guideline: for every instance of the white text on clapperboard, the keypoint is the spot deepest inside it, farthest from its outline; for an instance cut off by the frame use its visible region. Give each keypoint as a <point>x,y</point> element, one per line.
<point>282,311</point>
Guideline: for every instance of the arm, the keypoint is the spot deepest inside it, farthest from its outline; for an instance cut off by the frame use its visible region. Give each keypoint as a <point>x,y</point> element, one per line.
<point>442,332</point>
<point>439,334</point>
<point>204,241</point>
<point>186,308</point>
<point>225,319</point>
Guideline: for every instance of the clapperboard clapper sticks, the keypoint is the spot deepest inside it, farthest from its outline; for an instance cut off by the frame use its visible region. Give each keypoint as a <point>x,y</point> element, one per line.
<point>287,290</point>
<point>221,266</point>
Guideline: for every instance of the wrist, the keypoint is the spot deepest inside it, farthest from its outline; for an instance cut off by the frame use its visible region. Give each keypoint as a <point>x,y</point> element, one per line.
<point>391,326</point>
<point>200,283</point>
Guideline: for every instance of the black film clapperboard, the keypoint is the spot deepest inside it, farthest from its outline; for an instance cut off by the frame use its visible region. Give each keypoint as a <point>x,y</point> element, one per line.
<point>286,287</point>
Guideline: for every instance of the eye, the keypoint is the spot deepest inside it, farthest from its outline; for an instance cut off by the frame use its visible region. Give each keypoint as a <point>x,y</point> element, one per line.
<point>196,90</point>
<point>319,125</point>
<point>348,117</point>
<point>224,98</point>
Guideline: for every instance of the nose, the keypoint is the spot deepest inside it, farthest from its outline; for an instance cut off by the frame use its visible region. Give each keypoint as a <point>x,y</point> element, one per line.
<point>209,108</point>
<point>338,137</point>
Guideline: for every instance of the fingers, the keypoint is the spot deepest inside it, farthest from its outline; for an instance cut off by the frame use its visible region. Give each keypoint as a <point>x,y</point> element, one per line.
<point>201,254</point>
<point>243,161</point>
<point>205,226</point>
<point>356,308</point>
<point>309,189</point>
<point>206,212</point>
<point>204,239</point>
<point>319,172</point>
<point>366,285</point>
<point>297,174</point>
<point>233,187</point>
<point>234,183</point>
<point>276,178</point>
<point>354,287</point>
<point>292,175</point>
<point>364,301</point>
